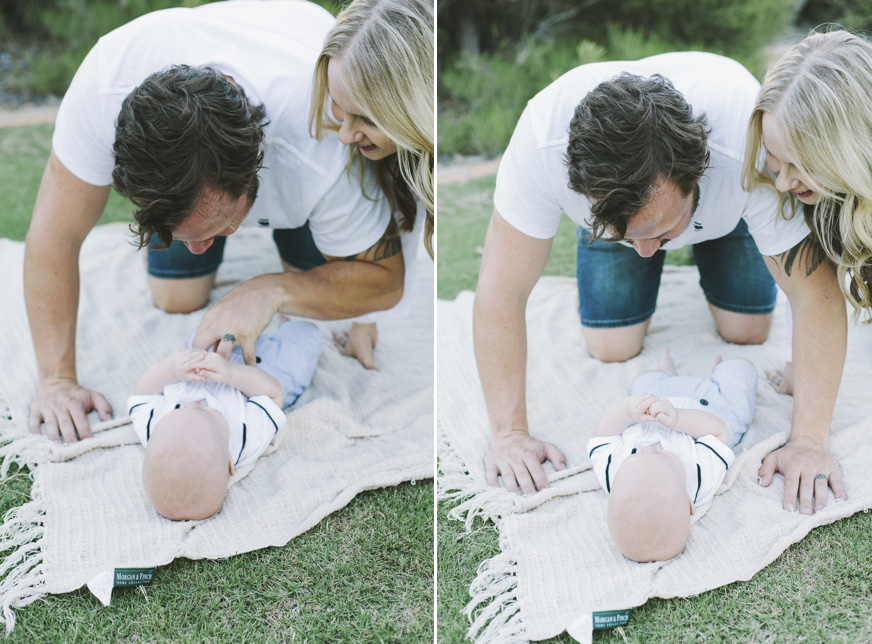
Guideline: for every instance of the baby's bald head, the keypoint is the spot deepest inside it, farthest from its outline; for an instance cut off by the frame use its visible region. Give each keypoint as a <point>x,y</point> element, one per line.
<point>649,510</point>
<point>186,464</point>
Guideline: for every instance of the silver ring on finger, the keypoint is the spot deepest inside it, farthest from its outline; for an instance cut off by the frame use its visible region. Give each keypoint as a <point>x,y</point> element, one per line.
<point>343,342</point>
<point>778,381</point>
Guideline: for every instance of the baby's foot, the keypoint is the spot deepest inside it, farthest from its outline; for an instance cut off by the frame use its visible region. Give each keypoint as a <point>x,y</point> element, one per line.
<point>782,379</point>
<point>666,365</point>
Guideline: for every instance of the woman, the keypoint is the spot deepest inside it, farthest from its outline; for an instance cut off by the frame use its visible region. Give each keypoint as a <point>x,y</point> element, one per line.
<point>375,73</point>
<point>813,123</point>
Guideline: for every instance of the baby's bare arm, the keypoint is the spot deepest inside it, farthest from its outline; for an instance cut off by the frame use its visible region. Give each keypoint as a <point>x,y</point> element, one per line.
<point>179,366</point>
<point>252,381</point>
<point>698,423</point>
<point>630,410</point>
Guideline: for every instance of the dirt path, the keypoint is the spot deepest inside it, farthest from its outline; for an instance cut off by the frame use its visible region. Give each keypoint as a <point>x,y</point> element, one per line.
<point>28,116</point>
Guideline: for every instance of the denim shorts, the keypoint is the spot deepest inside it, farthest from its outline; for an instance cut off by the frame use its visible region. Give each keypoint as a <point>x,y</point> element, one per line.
<point>295,245</point>
<point>617,287</point>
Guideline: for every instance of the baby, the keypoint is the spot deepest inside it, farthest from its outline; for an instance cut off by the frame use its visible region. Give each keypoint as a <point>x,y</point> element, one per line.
<point>201,417</point>
<point>665,450</point>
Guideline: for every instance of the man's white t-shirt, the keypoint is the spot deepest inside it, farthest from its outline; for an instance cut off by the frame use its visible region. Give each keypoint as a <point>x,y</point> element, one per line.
<point>533,191</point>
<point>269,49</point>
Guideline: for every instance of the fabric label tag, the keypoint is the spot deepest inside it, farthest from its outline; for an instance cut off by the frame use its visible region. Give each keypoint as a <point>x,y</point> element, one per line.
<point>133,576</point>
<point>610,619</point>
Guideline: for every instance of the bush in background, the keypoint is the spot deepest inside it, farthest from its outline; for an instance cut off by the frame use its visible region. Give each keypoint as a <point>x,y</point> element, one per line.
<point>49,39</point>
<point>494,55</point>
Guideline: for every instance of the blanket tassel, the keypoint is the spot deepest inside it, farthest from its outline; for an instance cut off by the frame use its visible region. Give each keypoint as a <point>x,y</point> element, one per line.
<point>500,619</point>
<point>22,578</point>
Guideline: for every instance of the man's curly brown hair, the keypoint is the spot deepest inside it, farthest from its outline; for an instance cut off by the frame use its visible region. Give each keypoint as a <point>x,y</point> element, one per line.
<point>182,130</point>
<point>626,134</point>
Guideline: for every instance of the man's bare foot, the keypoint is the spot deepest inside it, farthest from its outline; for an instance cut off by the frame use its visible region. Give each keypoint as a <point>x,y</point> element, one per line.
<point>782,379</point>
<point>666,365</point>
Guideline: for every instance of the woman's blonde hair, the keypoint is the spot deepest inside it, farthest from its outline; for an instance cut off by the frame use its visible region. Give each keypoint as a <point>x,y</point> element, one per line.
<point>820,97</point>
<point>386,49</point>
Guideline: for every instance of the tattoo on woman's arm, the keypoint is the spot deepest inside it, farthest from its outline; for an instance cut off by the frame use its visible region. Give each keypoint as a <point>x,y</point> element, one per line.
<point>807,255</point>
<point>388,246</point>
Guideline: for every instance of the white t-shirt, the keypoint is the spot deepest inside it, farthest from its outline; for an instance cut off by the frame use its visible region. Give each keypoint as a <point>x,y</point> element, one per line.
<point>705,459</point>
<point>533,181</point>
<point>252,422</point>
<point>269,49</point>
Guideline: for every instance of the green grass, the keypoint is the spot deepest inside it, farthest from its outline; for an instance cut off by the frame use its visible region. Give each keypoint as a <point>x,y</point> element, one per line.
<point>364,574</point>
<point>23,155</point>
<point>819,590</point>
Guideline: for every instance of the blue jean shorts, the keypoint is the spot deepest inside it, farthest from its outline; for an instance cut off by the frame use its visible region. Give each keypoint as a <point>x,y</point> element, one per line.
<point>617,287</point>
<point>295,245</point>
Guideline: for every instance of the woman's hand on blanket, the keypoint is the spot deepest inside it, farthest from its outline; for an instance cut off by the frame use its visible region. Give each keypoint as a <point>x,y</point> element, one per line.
<point>63,406</point>
<point>358,342</point>
<point>782,379</point>
<point>801,461</point>
<point>518,458</point>
<point>244,312</point>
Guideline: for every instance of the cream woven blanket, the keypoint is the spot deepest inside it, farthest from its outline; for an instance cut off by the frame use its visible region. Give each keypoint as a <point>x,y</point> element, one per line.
<point>558,562</point>
<point>353,430</point>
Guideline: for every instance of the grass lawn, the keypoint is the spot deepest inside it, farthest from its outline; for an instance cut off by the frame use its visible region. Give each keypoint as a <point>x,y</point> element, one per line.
<point>819,590</point>
<point>364,574</point>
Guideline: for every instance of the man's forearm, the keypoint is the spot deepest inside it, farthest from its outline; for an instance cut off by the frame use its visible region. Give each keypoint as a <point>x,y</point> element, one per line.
<point>51,294</point>
<point>500,339</point>
<point>336,290</point>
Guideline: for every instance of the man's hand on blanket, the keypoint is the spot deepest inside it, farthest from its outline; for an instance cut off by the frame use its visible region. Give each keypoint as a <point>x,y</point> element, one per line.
<point>518,458</point>
<point>358,342</point>
<point>244,313</point>
<point>804,463</point>
<point>62,405</point>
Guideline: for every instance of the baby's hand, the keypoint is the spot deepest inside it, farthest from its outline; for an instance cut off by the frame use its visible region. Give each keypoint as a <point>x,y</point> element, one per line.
<point>215,367</point>
<point>663,412</point>
<point>184,365</point>
<point>637,407</point>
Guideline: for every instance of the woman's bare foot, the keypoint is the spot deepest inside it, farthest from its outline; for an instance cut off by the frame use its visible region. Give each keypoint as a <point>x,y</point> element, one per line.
<point>782,379</point>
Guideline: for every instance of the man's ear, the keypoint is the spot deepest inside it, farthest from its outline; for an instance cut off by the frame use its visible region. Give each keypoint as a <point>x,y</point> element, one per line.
<point>233,473</point>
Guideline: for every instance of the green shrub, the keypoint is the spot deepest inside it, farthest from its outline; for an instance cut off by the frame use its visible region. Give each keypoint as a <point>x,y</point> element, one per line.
<point>481,97</point>
<point>65,31</point>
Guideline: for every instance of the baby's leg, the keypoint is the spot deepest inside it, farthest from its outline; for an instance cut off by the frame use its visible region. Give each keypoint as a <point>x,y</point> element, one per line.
<point>666,364</point>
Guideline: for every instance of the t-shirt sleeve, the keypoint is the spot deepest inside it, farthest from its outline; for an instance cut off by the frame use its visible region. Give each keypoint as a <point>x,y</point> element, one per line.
<point>84,135</point>
<point>772,233</point>
<point>601,449</point>
<point>714,459</point>
<point>141,409</point>
<point>262,420</point>
<point>523,195</point>
<point>349,219</point>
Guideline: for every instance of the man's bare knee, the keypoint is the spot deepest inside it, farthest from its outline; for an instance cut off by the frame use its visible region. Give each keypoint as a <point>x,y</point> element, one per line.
<point>741,328</point>
<point>617,344</point>
<point>181,296</point>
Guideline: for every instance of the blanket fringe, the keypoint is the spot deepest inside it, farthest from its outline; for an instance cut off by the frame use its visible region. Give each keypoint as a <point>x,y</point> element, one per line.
<point>472,499</point>
<point>496,586</point>
<point>22,573</point>
<point>24,451</point>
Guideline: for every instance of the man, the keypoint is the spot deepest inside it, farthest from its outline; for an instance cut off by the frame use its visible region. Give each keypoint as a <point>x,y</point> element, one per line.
<point>200,117</point>
<point>652,158</point>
